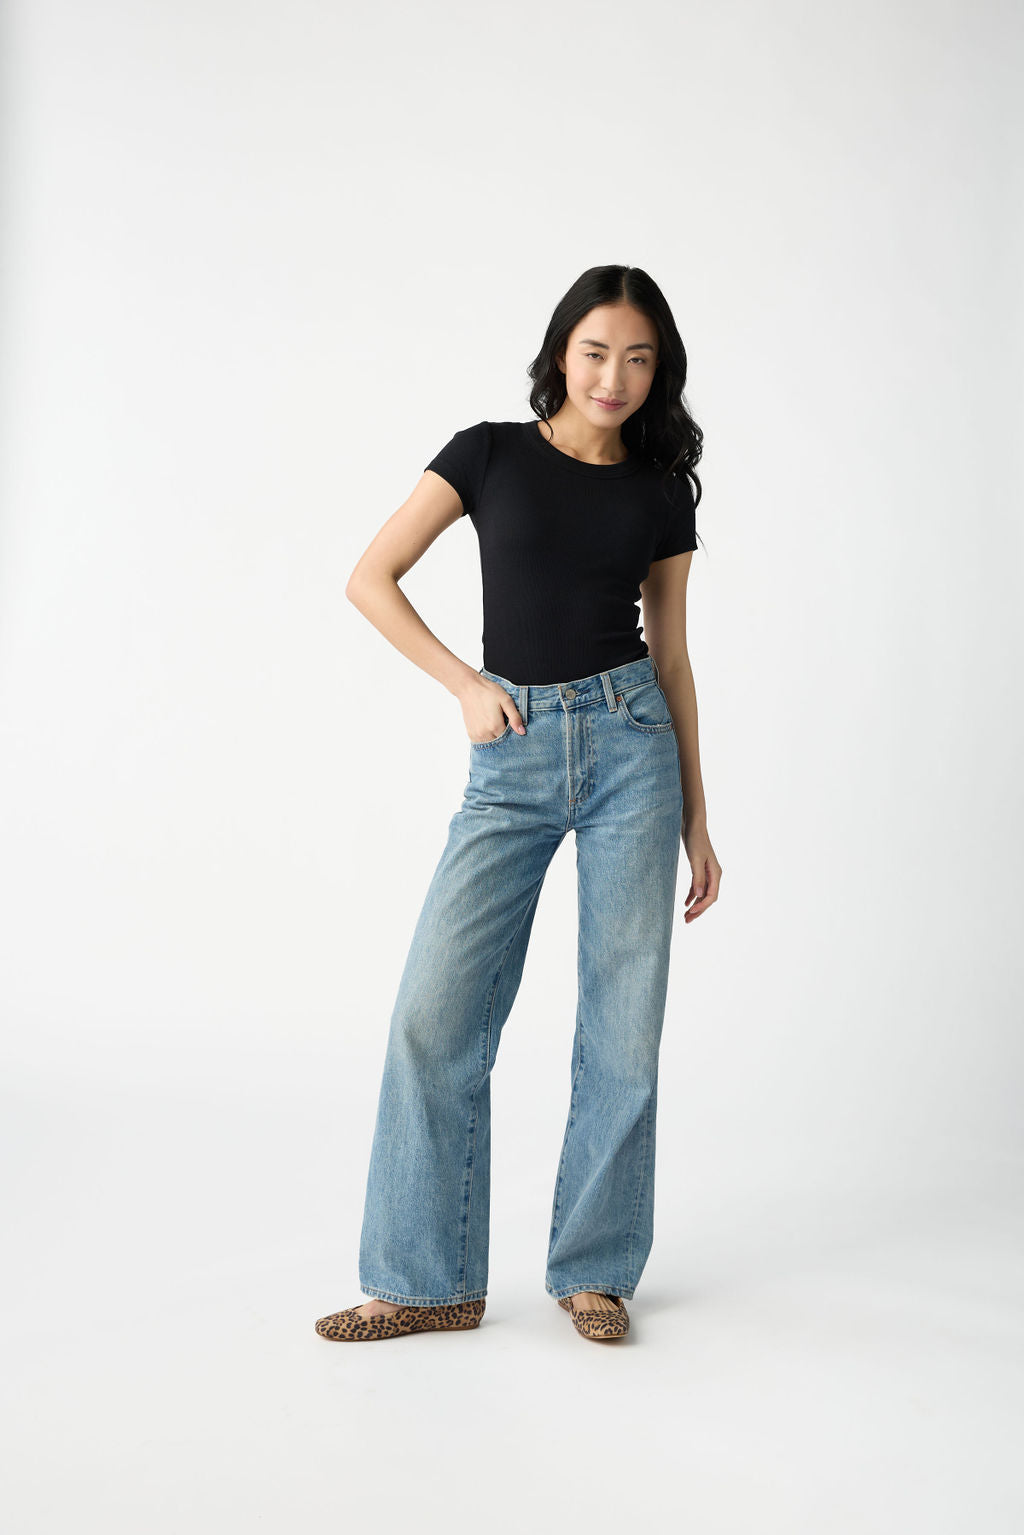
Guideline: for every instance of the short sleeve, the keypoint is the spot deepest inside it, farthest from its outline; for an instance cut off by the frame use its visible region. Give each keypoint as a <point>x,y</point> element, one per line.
<point>679,529</point>
<point>463,463</point>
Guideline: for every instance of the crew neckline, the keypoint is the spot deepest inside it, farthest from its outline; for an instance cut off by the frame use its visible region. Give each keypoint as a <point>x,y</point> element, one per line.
<point>553,455</point>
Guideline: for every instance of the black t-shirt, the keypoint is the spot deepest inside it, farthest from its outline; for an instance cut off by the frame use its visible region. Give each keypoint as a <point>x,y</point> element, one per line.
<point>564,546</point>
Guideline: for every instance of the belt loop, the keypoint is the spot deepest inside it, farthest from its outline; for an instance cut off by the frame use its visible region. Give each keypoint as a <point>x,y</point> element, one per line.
<point>524,690</point>
<point>657,674</point>
<point>609,691</point>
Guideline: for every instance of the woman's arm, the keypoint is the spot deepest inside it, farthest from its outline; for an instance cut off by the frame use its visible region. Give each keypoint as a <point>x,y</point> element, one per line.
<point>664,617</point>
<point>373,588</point>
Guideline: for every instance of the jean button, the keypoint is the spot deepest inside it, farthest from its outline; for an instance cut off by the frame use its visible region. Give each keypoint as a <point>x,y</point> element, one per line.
<point>570,692</point>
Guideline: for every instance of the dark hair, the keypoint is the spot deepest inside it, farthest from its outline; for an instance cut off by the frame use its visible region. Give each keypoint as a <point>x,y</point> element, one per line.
<point>662,430</point>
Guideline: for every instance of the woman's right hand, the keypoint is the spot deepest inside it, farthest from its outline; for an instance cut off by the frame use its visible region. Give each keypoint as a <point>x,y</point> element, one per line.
<point>485,707</point>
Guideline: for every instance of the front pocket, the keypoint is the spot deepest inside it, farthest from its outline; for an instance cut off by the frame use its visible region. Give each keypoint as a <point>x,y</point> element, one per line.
<point>497,739</point>
<point>649,713</point>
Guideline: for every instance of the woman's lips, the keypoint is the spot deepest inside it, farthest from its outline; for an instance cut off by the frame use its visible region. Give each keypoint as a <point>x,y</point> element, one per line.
<point>609,404</point>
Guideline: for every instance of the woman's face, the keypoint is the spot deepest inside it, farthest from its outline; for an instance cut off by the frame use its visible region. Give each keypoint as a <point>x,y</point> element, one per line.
<point>610,355</point>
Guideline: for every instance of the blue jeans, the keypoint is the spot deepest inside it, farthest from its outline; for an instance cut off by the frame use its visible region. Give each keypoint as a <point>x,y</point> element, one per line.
<point>600,757</point>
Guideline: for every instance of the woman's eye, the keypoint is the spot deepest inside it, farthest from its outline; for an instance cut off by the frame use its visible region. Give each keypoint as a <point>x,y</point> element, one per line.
<point>598,356</point>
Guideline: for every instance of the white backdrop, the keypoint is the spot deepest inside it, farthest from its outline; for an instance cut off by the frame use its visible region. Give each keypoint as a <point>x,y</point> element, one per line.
<point>260,262</point>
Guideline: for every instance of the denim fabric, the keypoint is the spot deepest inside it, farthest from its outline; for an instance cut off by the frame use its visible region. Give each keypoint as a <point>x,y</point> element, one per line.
<point>599,757</point>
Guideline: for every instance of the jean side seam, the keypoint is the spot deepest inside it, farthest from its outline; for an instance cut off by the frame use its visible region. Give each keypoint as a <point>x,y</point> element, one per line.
<point>640,1183</point>
<point>568,1128</point>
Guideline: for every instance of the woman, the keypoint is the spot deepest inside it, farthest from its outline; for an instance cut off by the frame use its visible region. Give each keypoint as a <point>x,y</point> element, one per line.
<point>575,723</point>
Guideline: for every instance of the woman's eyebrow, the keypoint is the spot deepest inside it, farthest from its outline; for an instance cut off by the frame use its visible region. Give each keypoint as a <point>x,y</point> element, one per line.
<point>638,346</point>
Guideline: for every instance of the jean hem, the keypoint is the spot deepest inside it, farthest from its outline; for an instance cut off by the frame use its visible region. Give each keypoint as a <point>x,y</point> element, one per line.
<point>626,1291</point>
<point>422,1300</point>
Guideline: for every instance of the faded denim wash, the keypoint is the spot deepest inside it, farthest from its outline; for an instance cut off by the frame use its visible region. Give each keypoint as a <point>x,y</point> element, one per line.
<point>599,757</point>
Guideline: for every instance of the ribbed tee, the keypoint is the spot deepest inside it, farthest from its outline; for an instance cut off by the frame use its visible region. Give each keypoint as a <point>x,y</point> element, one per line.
<point>564,546</point>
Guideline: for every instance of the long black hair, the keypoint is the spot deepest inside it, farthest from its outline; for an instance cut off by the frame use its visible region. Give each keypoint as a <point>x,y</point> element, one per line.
<point>662,430</point>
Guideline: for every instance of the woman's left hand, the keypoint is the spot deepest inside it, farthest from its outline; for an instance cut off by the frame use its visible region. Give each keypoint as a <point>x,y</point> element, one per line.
<point>707,871</point>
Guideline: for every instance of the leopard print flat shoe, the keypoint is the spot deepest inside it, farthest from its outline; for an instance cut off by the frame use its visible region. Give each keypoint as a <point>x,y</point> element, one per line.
<point>350,1326</point>
<point>602,1326</point>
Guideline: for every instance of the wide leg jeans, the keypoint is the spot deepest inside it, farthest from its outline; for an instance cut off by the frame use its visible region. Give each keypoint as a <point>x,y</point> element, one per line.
<point>600,758</point>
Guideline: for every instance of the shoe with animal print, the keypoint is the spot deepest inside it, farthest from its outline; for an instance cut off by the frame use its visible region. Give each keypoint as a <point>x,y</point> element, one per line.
<point>351,1326</point>
<point>597,1323</point>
